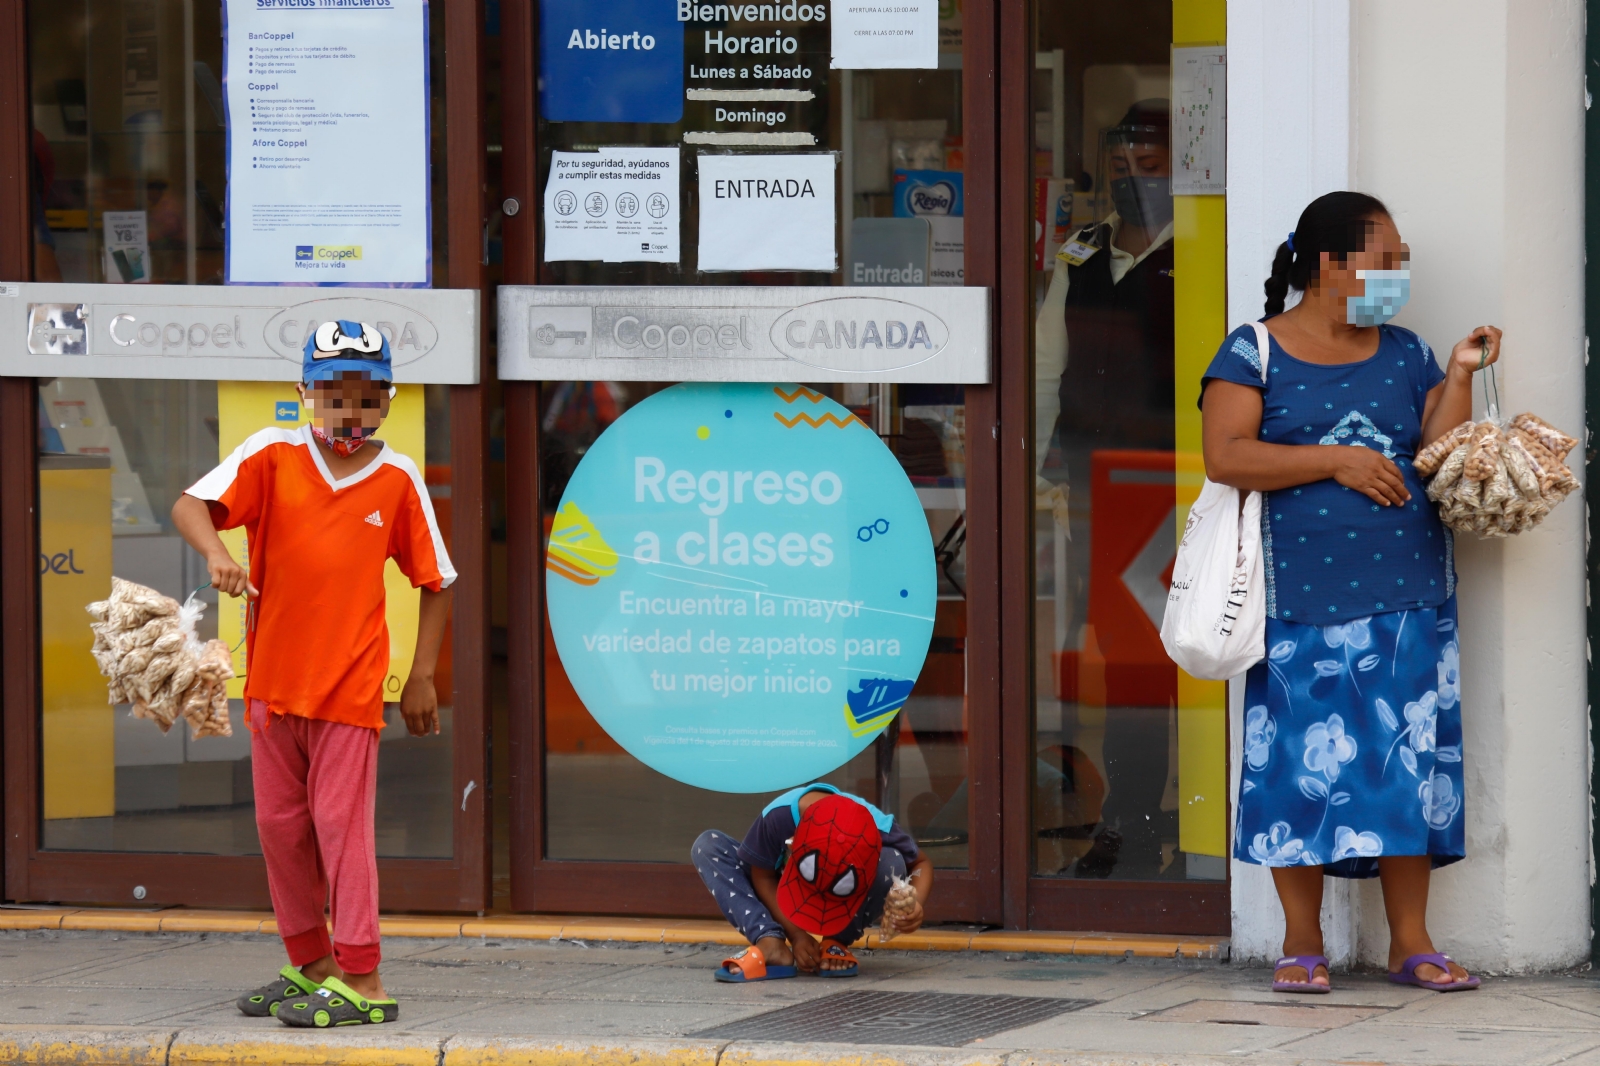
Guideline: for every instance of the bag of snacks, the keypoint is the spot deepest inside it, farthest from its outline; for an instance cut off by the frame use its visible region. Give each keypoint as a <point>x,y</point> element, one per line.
<point>146,646</point>
<point>1497,477</point>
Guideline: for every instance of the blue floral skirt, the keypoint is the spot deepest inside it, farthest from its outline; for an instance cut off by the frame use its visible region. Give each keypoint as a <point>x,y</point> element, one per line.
<point>1352,744</point>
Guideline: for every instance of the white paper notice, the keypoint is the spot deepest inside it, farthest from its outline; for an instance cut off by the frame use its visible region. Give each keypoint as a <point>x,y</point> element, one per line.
<point>880,34</point>
<point>947,259</point>
<point>327,106</point>
<point>1199,121</point>
<point>767,212</point>
<point>617,205</point>
<point>127,242</point>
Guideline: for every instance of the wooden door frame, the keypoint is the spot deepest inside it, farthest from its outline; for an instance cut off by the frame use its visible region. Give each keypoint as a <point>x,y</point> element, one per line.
<point>461,883</point>
<point>541,884</point>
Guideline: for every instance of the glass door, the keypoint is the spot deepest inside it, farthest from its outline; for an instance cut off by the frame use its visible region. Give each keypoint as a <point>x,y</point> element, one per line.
<point>128,183</point>
<point>1129,801</point>
<point>584,811</point>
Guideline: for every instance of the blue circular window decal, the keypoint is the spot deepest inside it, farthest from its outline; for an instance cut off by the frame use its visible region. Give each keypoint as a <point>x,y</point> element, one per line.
<point>742,602</point>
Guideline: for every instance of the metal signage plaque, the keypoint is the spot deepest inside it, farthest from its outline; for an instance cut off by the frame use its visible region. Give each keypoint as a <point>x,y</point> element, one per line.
<point>226,332</point>
<point>937,335</point>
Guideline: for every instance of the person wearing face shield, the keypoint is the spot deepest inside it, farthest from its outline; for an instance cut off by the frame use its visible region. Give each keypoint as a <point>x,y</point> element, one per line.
<point>1105,330</point>
<point>1104,381</point>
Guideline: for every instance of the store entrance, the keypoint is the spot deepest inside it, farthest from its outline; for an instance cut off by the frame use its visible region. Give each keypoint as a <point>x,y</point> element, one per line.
<point>590,824</point>
<point>1057,767</point>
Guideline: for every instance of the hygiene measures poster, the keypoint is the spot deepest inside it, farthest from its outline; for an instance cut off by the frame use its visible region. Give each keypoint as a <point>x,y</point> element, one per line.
<point>327,106</point>
<point>741,584</point>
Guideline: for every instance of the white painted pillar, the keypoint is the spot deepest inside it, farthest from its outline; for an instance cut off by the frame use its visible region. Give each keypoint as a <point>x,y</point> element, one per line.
<point>1466,118</point>
<point>1289,141</point>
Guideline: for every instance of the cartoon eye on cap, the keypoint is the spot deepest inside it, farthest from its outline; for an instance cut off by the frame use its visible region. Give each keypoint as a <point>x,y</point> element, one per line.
<point>332,340</point>
<point>808,867</point>
<point>845,884</point>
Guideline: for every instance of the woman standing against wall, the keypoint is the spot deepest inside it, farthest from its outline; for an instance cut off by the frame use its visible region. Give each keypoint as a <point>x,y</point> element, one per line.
<point>1352,746</point>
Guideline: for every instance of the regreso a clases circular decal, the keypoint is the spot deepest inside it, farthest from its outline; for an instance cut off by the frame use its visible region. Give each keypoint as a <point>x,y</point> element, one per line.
<point>741,584</point>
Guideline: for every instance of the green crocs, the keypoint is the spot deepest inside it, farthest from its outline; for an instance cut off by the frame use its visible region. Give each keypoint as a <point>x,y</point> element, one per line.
<point>266,1000</point>
<point>336,1003</point>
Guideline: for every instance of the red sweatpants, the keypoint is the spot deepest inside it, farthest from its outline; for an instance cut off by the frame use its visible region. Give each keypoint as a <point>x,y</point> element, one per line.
<point>315,785</point>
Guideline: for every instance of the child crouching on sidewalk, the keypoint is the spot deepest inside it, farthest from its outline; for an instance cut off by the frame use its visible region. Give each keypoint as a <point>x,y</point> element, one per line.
<point>817,863</point>
<point>325,506</point>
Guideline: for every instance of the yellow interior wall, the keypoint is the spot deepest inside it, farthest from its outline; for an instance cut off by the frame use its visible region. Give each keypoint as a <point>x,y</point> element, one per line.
<point>243,407</point>
<point>1200,276</point>
<point>1199,21</point>
<point>78,725</point>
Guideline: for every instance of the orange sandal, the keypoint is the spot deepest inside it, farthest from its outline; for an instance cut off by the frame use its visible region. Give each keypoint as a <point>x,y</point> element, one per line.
<point>832,949</point>
<point>751,965</point>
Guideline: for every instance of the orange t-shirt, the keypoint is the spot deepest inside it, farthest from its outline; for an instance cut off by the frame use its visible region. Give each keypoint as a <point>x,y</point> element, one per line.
<point>319,645</point>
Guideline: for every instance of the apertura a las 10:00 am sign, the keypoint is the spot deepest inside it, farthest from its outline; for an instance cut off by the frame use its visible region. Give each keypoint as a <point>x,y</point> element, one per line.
<point>741,584</point>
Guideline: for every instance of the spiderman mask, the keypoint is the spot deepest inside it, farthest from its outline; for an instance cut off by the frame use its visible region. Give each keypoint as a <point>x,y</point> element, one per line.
<point>833,860</point>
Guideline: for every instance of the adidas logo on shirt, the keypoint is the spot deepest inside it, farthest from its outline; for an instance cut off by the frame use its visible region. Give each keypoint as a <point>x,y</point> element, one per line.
<point>375,519</point>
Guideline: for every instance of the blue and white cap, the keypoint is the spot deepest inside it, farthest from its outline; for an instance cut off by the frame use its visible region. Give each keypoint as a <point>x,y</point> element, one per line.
<point>345,345</point>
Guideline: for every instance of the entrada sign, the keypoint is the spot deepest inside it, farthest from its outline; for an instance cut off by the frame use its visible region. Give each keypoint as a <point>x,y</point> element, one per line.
<point>745,334</point>
<point>234,333</point>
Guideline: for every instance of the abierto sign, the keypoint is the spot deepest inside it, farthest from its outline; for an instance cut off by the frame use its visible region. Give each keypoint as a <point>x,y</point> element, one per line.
<point>226,333</point>
<point>904,334</point>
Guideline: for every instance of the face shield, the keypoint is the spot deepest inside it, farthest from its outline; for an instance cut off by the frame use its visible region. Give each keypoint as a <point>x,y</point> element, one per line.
<point>1138,174</point>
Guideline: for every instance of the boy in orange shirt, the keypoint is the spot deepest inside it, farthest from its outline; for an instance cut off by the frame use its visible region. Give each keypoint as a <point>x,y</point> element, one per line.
<point>324,507</point>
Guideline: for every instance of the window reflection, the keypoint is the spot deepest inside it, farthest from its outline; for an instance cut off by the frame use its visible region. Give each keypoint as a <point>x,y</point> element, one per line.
<point>129,176</point>
<point>1108,744</point>
<point>604,804</point>
<point>114,455</point>
<point>893,130</point>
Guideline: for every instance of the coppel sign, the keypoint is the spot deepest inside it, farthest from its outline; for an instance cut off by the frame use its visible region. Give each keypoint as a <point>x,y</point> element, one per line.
<point>610,61</point>
<point>741,584</point>
<point>156,330</point>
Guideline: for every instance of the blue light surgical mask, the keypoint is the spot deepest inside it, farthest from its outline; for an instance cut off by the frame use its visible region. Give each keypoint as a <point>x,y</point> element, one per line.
<point>1387,292</point>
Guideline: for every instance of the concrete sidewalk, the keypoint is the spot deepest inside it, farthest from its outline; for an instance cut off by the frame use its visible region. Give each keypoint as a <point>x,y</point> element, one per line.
<point>166,998</point>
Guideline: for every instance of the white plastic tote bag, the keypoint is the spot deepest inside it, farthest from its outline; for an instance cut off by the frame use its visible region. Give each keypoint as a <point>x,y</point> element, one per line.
<point>1215,626</point>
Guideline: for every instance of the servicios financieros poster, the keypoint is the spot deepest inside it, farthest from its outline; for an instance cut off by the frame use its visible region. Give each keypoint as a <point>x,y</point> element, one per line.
<point>741,584</point>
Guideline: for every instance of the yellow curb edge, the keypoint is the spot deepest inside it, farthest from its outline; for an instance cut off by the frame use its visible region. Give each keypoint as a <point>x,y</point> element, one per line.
<point>494,1051</point>
<point>38,1045</point>
<point>85,1045</point>
<point>367,1046</point>
<point>624,930</point>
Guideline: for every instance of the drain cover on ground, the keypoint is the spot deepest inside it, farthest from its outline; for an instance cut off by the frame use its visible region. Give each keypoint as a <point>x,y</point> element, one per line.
<point>934,1019</point>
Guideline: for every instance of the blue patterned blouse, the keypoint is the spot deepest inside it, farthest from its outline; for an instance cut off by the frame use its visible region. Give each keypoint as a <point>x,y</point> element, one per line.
<point>1332,554</point>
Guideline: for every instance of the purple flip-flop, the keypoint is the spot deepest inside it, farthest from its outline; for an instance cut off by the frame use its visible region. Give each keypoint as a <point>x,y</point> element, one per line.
<point>1307,962</point>
<point>1408,974</point>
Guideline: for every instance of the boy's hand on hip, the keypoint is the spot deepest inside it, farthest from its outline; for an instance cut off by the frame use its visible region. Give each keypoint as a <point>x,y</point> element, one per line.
<point>229,577</point>
<point>419,705</point>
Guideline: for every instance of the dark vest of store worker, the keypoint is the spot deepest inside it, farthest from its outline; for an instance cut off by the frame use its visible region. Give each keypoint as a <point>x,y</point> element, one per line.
<point>1105,383</point>
<point>1113,284</point>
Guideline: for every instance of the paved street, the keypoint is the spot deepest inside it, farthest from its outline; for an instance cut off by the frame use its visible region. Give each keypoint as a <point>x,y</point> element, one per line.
<point>171,990</point>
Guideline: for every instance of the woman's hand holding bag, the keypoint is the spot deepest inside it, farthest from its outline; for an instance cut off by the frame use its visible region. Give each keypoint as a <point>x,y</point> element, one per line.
<point>1498,477</point>
<point>1215,625</point>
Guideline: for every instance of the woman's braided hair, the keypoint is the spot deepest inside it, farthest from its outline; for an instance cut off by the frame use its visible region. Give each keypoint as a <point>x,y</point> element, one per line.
<point>1334,223</point>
